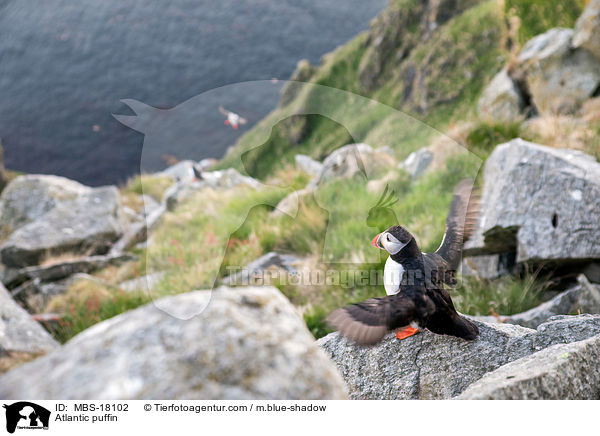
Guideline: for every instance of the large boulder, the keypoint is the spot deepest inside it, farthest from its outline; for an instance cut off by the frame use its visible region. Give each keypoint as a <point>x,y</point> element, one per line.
<point>261,270</point>
<point>587,29</point>
<point>248,343</point>
<point>501,100</point>
<point>559,372</point>
<point>221,179</point>
<point>138,232</point>
<point>184,171</point>
<point>353,160</point>
<point>228,178</point>
<point>290,203</point>
<point>540,202</point>
<point>18,332</point>
<point>51,215</point>
<point>61,269</point>
<point>490,266</point>
<point>417,162</point>
<point>430,366</point>
<point>28,198</point>
<point>308,164</point>
<point>559,78</point>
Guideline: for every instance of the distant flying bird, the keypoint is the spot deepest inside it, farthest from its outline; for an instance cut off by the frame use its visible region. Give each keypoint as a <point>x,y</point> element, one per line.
<point>414,282</point>
<point>233,119</point>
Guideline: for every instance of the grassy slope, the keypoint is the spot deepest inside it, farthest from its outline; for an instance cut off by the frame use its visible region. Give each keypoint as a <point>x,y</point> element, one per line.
<point>455,62</point>
<point>537,16</point>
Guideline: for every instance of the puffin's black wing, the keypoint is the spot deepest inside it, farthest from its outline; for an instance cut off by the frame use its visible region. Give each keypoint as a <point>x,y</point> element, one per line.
<point>459,223</point>
<point>197,171</point>
<point>367,323</point>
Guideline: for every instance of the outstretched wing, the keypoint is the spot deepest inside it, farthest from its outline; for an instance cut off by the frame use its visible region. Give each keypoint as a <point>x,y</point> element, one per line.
<point>223,110</point>
<point>460,223</point>
<point>368,322</point>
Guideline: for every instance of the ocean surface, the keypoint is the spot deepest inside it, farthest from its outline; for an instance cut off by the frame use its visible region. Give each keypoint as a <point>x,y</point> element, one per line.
<point>66,64</point>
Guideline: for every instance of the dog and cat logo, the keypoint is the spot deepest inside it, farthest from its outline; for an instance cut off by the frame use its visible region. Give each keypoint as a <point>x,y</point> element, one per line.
<point>26,415</point>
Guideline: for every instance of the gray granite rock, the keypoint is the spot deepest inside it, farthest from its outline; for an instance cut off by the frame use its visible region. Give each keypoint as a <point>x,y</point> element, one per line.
<point>417,162</point>
<point>308,164</point>
<point>248,343</point>
<point>228,178</point>
<point>540,202</point>
<point>559,78</point>
<point>28,198</point>
<point>138,232</point>
<point>206,163</point>
<point>53,215</point>
<point>289,204</point>
<point>60,270</point>
<point>18,332</point>
<point>559,372</point>
<point>353,160</point>
<point>430,366</point>
<point>501,99</point>
<point>258,269</point>
<point>587,29</point>
<point>489,266</point>
<point>221,179</point>
<point>183,171</point>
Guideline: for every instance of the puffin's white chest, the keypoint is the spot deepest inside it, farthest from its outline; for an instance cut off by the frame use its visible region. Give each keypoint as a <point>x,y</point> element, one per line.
<point>392,276</point>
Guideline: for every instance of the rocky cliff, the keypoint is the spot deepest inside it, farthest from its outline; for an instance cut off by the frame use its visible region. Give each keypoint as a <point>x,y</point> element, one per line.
<point>101,268</point>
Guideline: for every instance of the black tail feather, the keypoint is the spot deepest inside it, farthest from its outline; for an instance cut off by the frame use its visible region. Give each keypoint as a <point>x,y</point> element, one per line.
<point>464,328</point>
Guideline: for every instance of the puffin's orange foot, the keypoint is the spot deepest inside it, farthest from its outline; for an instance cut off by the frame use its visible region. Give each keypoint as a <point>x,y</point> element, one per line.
<point>406,332</point>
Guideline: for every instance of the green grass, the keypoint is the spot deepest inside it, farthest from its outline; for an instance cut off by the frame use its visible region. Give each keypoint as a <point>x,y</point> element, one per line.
<point>506,296</point>
<point>148,184</point>
<point>455,64</point>
<point>193,246</point>
<point>87,302</point>
<point>538,16</point>
<point>484,136</point>
<point>210,231</point>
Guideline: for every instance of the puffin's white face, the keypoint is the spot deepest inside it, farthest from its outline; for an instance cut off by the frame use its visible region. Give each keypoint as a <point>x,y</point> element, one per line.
<point>388,242</point>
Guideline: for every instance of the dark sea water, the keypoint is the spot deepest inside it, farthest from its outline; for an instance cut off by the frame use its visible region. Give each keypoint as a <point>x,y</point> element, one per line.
<point>65,64</point>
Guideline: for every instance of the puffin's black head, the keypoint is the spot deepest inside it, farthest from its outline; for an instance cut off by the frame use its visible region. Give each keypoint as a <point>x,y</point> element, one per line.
<point>393,239</point>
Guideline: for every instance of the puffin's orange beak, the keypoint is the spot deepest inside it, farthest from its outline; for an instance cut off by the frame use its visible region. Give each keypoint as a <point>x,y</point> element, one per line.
<point>376,242</point>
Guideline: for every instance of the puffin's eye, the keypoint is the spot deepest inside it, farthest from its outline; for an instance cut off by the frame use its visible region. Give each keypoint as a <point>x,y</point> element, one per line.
<point>388,238</point>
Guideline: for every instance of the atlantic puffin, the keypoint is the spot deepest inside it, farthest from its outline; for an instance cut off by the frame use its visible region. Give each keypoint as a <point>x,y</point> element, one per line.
<point>414,283</point>
<point>233,119</point>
